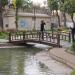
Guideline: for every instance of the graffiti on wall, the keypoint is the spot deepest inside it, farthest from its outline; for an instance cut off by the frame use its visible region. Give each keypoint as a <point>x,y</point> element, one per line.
<point>23,23</point>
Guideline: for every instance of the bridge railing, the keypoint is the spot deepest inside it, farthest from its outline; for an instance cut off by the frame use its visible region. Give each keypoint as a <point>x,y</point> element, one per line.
<point>66,36</point>
<point>37,36</point>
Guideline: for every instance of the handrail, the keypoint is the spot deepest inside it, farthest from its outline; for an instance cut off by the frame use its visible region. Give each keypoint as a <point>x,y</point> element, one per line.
<point>37,35</point>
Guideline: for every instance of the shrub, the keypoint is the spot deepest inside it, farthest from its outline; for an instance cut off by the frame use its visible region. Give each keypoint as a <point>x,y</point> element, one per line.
<point>3,35</point>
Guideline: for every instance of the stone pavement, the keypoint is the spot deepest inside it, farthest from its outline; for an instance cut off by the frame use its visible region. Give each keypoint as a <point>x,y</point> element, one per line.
<point>52,66</point>
<point>62,56</point>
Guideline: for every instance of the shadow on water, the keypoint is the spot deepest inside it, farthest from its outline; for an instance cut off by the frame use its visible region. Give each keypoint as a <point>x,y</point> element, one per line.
<point>21,61</point>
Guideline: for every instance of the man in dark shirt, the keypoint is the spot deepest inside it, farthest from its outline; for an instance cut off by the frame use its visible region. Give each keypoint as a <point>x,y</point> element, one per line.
<point>42,28</point>
<point>73,32</point>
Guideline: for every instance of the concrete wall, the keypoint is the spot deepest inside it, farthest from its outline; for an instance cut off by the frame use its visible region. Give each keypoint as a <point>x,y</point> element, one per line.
<point>26,21</point>
<point>9,23</point>
<point>29,22</point>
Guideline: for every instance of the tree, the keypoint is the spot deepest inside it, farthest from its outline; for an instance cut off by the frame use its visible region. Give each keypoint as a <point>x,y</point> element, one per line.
<point>2,6</point>
<point>54,5</point>
<point>63,11</point>
<point>69,7</point>
<point>27,6</point>
<point>19,4</point>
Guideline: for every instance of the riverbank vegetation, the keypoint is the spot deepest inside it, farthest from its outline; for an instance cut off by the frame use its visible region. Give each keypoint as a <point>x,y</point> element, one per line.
<point>73,73</point>
<point>71,49</point>
<point>3,35</point>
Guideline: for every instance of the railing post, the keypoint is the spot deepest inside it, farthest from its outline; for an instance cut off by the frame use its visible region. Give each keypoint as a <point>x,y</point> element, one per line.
<point>58,38</point>
<point>10,37</point>
<point>69,36</point>
<point>39,36</point>
<point>23,35</point>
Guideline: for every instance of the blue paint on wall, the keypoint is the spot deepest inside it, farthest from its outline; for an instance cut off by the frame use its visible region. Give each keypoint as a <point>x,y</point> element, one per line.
<point>23,23</point>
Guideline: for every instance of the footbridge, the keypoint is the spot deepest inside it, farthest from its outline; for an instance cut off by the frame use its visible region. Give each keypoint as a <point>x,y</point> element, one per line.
<point>52,39</point>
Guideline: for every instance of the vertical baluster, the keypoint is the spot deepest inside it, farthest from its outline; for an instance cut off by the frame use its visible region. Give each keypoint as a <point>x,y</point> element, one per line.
<point>58,39</point>
<point>20,36</point>
<point>69,36</point>
<point>61,36</point>
<point>65,37</point>
<point>10,37</point>
<point>15,36</point>
<point>50,38</point>
<point>39,36</point>
<point>46,36</point>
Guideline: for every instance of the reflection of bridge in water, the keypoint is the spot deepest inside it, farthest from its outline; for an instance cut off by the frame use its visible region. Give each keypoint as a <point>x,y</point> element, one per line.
<point>49,38</point>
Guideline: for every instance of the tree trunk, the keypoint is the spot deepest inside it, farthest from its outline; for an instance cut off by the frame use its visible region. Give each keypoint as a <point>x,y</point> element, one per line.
<point>16,17</point>
<point>72,19</point>
<point>1,22</point>
<point>58,18</point>
<point>64,15</point>
<point>73,29</point>
<point>1,18</point>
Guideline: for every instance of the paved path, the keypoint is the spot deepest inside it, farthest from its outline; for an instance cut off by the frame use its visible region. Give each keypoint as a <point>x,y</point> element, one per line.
<point>61,55</point>
<point>55,68</point>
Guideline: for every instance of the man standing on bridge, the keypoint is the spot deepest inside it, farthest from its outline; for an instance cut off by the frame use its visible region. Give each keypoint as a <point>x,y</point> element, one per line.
<point>42,28</point>
<point>73,33</point>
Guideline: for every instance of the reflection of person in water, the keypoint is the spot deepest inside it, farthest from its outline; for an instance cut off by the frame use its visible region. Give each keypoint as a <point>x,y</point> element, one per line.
<point>42,28</point>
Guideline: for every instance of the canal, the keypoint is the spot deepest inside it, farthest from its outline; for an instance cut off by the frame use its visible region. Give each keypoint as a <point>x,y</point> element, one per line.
<point>30,61</point>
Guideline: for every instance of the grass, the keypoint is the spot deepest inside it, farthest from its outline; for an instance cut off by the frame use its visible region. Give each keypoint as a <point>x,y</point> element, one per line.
<point>3,35</point>
<point>70,51</point>
<point>73,73</point>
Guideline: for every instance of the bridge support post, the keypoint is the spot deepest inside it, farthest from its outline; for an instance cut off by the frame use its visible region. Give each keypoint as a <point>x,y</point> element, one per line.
<point>58,38</point>
<point>9,36</point>
<point>69,36</point>
<point>23,35</point>
<point>39,36</point>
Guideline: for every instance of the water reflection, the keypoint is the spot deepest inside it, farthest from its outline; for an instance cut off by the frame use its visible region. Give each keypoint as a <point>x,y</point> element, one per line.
<point>21,61</point>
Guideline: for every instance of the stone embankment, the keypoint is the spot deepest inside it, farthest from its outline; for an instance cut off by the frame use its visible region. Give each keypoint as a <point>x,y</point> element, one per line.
<point>62,56</point>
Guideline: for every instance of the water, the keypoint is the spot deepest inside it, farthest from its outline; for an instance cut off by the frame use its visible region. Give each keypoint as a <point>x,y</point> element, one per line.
<point>26,61</point>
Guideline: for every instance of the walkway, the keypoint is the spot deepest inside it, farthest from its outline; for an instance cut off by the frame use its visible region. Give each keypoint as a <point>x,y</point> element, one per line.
<point>56,68</point>
<point>61,55</point>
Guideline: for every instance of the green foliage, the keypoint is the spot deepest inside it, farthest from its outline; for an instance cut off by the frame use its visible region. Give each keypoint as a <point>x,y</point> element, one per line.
<point>69,6</point>
<point>53,4</point>
<point>23,3</point>
<point>73,73</point>
<point>27,4</point>
<point>3,35</point>
<point>4,2</point>
<point>19,3</point>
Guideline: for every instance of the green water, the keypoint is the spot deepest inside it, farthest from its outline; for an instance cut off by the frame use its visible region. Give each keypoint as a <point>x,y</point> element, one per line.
<point>30,61</point>
<point>21,61</point>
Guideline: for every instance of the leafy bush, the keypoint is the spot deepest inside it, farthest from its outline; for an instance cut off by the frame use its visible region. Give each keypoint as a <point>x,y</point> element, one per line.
<point>3,35</point>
